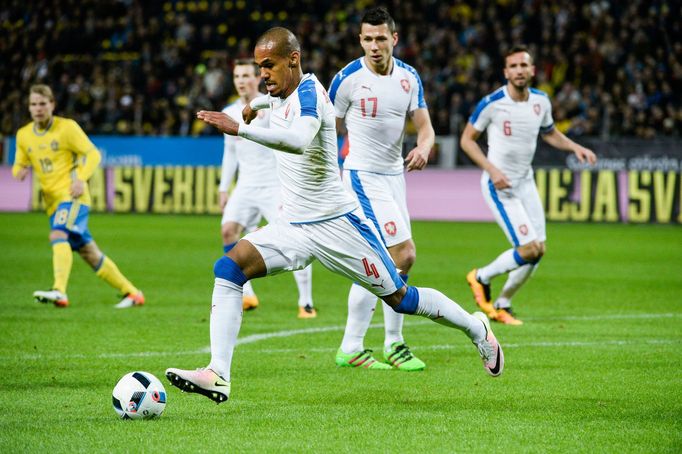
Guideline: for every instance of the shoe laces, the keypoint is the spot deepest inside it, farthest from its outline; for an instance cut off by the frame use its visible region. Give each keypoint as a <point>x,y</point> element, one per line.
<point>485,349</point>
<point>402,351</point>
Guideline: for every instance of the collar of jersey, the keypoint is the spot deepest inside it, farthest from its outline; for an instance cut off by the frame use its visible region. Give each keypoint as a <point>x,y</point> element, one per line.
<point>364,65</point>
<point>35,130</point>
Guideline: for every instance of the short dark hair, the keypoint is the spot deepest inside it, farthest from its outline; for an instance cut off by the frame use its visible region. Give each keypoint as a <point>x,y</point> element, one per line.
<point>284,40</point>
<point>515,49</point>
<point>247,62</point>
<point>377,16</point>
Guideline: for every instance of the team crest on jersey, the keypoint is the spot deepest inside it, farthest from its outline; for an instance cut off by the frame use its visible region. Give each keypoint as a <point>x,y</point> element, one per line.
<point>260,114</point>
<point>54,145</point>
<point>390,228</point>
<point>536,109</point>
<point>523,228</point>
<point>405,84</point>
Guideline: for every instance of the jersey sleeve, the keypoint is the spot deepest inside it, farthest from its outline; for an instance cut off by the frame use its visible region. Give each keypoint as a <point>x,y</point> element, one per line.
<point>229,167</point>
<point>482,115</point>
<point>339,94</point>
<point>307,97</point>
<point>89,156</point>
<point>417,100</point>
<point>21,159</point>
<point>547,120</point>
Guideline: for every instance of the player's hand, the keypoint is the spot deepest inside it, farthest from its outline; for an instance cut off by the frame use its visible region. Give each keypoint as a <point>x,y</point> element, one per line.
<point>585,154</point>
<point>249,114</point>
<point>223,199</point>
<point>499,179</point>
<point>219,120</point>
<point>77,188</point>
<point>417,158</point>
<point>22,173</point>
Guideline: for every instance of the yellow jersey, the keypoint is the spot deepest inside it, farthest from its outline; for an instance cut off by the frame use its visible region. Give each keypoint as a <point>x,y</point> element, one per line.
<point>58,154</point>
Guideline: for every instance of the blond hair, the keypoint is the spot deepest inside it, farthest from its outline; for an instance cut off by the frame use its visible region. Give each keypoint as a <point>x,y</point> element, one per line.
<point>42,90</point>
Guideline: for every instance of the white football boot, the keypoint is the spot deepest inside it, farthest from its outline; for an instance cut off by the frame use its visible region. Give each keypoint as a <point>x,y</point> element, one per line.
<point>55,297</point>
<point>489,349</point>
<point>201,381</point>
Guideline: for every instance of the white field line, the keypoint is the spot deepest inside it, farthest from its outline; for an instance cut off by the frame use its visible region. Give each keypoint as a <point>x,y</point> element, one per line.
<point>254,338</point>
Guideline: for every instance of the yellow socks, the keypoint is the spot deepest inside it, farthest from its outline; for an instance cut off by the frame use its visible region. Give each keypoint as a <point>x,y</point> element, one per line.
<point>62,259</point>
<point>109,272</point>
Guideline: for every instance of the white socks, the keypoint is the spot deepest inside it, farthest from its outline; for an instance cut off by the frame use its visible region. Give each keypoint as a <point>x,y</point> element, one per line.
<point>441,309</point>
<point>226,319</point>
<point>393,326</point>
<point>514,282</point>
<point>361,306</point>
<point>304,282</point>
<point>248,289</point>
<point>504,263</point>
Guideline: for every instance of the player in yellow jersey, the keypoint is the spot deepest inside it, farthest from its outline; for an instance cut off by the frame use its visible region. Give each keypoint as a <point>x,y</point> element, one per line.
<point>63,159</point>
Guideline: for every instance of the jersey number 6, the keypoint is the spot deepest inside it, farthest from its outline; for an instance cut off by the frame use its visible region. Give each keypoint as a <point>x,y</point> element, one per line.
<point>506,128</point>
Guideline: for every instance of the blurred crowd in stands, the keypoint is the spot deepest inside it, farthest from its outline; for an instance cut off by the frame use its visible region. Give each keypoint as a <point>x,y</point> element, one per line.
<point>134,67</point>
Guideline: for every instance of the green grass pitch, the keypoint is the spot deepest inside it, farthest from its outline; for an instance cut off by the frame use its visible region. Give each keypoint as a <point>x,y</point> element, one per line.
<point>595,368</point>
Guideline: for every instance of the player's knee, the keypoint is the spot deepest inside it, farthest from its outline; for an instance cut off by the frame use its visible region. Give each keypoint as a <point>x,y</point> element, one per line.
<point>56,235</point>
<point>409,302</point>
<point>226,268</point>
<point>405,257</point>
<point>407,260</point>
<point>531,252</point>
<point>230,232</point>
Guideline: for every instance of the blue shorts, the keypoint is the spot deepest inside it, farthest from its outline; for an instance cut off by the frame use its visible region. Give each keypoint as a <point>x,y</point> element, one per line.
<point>72,218</point>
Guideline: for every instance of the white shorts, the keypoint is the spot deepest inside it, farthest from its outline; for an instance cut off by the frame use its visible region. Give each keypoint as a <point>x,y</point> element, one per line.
<point>517,210</point>
<point>347,245</point>
<point>384,202</point>
<point>248,205</point>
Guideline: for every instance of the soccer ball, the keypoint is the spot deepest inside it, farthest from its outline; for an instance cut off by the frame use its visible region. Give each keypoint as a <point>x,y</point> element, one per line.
<point>139,395</point>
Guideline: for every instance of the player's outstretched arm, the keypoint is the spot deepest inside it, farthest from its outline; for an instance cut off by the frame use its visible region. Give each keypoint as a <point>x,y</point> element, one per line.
<point>295,140</point>
<point>468,143</point>
<point>558,140</point>
<point>418,157</point>
<point>219,120</point>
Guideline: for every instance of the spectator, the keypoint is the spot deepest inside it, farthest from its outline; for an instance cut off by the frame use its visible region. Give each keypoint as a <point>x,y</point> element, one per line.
<point>93,54</point>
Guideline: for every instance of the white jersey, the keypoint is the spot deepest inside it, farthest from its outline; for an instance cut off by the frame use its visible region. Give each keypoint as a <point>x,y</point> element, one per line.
<point>513,128</point>
<point>311,187</point>
<point>257,164</point>
<point>375,108</point>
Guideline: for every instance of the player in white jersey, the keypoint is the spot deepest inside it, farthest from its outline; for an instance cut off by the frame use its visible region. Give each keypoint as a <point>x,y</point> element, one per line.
<point>373,95</point>
<point>256,194</point>
<point>320,220</point>
<point>513,116</point>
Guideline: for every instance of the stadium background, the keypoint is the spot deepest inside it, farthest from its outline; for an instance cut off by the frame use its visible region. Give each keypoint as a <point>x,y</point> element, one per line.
<point>133,73</point>
<point>591,370</point>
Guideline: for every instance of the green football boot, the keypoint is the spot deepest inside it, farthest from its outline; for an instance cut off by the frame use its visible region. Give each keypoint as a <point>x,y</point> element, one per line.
<point>400,357</point>
<point>362,359</point>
